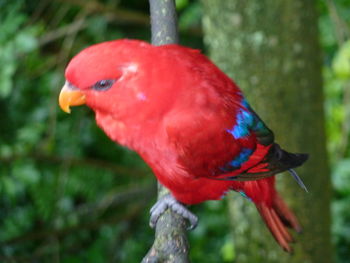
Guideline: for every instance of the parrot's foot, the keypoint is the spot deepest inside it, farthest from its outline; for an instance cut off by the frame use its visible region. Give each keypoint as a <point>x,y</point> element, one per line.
<point>168,201</point>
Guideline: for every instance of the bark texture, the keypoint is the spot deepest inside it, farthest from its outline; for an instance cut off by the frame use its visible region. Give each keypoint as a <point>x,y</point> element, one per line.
<point>270,48</point>
<point>171,243</point>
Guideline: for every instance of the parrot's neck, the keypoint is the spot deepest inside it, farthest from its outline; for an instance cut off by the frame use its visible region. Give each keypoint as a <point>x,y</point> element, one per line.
<point>132,135</point>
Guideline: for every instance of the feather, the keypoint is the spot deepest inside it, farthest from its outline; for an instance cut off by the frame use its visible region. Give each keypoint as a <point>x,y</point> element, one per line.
<point>274,224</point>
<point>298,179</point>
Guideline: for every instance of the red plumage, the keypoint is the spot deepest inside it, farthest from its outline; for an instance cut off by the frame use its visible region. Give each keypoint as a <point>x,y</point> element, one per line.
<point>188,121</point>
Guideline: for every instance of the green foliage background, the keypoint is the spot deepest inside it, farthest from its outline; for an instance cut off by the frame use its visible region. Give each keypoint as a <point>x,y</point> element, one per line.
<point>67,194</point>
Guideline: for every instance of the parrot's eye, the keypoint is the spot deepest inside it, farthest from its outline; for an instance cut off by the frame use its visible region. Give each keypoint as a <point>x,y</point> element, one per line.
<point>103,84</point>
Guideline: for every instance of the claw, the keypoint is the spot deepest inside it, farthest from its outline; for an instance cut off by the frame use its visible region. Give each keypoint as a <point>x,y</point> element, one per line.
<point>168,201</point>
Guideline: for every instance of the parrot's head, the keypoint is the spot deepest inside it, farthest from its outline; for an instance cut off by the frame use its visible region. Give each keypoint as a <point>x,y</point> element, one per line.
<point>113,79</point>
<point>106,77</point>
<point>129,84</point>
<point>109,78</point>
<point>116,79</point>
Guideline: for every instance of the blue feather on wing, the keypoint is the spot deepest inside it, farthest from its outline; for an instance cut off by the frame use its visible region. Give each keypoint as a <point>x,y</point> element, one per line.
<point>246,122</point>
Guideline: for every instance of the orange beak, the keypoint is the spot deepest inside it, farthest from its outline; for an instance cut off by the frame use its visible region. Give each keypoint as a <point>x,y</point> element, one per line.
<point>70,96</point>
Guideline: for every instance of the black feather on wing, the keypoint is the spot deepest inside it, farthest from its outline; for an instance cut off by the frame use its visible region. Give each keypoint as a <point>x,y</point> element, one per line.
<point>277,159</point>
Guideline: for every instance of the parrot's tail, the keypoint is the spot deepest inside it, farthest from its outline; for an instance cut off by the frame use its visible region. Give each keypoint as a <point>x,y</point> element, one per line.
<point>281,160</point>
<point>276,161</point>
<point>277,218</point>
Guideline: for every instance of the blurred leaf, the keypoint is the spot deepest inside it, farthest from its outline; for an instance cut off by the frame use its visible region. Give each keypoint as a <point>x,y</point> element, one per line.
<point>327,34</point>
<point>228,252</point>
<point>97,28</point>
<point>5,151</point>
<point>26,172</point>
<point>11,187</point>
<point>341,62</point>
<point>6,72</point>
<point>341,177</point>
<point>341,228</point>
<point>25,41</point>
<point>31,133</point>
<point>191,16</point>
<point>181,4</point>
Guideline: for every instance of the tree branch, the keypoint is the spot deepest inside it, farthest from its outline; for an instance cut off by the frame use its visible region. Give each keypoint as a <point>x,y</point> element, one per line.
<point>170,244</point>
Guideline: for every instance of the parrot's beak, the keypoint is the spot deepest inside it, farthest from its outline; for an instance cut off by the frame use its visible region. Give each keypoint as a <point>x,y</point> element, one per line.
<point>70,96</point>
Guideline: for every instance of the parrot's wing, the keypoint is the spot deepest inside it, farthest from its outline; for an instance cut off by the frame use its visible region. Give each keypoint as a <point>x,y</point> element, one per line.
<point>263,134</point>
<point>205,148</point>
<point>207,145</point>
<point>275,160</point>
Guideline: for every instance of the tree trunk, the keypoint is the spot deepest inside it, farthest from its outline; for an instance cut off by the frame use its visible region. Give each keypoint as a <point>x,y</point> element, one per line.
<point>270,48</point>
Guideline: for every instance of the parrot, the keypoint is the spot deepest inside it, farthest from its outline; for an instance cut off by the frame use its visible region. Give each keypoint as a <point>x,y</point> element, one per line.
<point>189,122</point>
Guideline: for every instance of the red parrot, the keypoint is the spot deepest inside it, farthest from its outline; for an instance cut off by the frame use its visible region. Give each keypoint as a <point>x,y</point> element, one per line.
<point>188,121</point>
